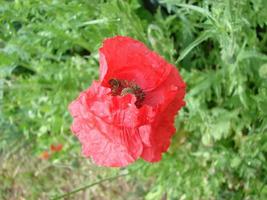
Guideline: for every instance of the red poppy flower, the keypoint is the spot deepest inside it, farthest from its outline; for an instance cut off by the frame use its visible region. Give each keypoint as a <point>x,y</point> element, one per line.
<point>129,112</point>
<point>56,148</point>
<point>45,155</point>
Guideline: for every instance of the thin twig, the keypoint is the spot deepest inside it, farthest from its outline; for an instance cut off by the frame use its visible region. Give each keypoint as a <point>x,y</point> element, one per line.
<point>89,185</point>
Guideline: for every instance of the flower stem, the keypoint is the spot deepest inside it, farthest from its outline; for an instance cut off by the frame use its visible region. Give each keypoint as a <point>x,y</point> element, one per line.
<point>88,186</point>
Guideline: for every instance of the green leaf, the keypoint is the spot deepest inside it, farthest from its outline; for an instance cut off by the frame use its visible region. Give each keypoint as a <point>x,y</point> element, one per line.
<point>202,37</point>
<point>263,71</point>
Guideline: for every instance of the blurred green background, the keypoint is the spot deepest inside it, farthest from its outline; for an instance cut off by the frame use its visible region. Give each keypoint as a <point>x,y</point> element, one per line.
<point>49,53</point>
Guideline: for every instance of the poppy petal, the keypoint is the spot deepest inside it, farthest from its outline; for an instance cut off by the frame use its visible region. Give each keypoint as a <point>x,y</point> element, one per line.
<point>109,131</point>
<point>128,59</point>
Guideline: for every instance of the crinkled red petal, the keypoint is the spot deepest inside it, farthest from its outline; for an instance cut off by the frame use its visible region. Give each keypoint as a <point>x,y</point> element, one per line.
<point>109,129</point>
<point>168,97</point>
<point>128,59</point>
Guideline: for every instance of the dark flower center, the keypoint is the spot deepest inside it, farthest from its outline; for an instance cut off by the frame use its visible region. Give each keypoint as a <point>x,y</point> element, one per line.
<point>124,87</point>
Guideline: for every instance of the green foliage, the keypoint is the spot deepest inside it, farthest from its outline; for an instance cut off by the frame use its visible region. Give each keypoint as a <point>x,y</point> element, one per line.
<point>49,53</point>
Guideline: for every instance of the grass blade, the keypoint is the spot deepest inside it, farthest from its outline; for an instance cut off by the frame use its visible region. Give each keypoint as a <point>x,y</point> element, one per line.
<point>204,36</point>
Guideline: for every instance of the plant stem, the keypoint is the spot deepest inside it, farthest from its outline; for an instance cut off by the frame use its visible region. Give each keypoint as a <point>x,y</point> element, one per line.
<point>89,185</point>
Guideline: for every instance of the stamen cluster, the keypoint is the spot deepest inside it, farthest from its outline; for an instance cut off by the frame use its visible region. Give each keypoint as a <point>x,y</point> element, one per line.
<point>124,87</point>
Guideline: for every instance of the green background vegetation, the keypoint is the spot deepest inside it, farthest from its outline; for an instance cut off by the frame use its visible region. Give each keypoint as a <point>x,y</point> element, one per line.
<point>49,53</point>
